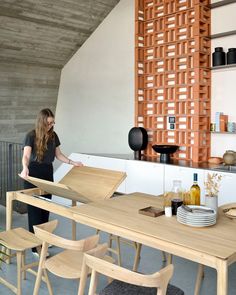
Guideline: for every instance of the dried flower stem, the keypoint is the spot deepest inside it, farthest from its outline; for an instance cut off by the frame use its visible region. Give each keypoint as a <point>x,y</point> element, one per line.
<point>212,184</point>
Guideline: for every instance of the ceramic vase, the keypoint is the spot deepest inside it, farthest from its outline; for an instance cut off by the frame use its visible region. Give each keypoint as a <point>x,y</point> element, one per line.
<point>211,202</point>
<point>218,57</point>
<point>231,56</point>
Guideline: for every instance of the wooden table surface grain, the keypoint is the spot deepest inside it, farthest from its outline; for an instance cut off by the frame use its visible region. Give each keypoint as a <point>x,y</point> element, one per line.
<point>214,246</point>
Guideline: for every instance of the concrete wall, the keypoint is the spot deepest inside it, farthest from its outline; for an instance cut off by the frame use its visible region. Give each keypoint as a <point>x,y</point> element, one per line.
<point>24,90</point>
<point>95,108</point>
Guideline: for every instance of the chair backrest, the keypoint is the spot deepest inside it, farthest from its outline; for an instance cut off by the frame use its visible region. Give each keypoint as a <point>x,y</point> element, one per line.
<point>93,260</point>
<point>49,226</point>
<point>44,233</point>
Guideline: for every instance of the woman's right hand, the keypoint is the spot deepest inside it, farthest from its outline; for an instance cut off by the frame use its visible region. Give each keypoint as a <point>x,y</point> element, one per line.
<point>25,172</point>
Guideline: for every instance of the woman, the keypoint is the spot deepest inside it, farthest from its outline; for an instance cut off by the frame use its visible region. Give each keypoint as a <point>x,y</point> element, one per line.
<point>41,146</point>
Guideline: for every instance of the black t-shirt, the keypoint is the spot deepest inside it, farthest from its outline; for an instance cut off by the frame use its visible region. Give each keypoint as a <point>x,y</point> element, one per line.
<point>49,154</point>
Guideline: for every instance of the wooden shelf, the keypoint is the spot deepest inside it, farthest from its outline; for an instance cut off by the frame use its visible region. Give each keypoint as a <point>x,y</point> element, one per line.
<point>223,67</point>
<point>222,3</point>
<point>224,34</point>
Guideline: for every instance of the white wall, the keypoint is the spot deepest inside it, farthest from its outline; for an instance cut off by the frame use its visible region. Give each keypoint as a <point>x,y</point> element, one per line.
<point>224,81</point>
<point>95,107</point>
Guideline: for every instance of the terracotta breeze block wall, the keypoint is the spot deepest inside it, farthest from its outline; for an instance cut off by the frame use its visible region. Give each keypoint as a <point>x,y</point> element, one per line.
<point>173,78</point>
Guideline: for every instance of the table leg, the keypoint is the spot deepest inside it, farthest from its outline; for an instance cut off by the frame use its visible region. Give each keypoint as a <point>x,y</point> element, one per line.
<point>222,277</point>
<point>200,275</point>
<point>9,209</point>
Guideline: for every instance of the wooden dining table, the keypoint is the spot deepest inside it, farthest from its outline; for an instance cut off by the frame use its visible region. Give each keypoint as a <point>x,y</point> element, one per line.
<point>213,246</point>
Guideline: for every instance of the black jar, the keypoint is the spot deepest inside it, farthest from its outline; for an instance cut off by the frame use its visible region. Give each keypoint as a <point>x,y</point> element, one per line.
<point>218,57</point>
<point>231,56</point>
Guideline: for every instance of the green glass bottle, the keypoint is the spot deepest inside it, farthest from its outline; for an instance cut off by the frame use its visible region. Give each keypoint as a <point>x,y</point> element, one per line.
<point>195,191</point>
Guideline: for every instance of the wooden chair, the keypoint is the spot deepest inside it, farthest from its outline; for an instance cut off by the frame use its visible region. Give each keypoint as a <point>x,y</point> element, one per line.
<point>66,264</point>
<point>19,240</point>
<point>126,281</point>
<point>137,247</point>
<point>117,250</point>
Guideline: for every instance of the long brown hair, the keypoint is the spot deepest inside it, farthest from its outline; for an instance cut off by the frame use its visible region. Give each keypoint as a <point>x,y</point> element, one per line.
<point>42,134</point>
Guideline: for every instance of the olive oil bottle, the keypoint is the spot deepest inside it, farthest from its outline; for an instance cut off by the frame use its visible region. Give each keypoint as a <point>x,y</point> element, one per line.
<point>195,191</point>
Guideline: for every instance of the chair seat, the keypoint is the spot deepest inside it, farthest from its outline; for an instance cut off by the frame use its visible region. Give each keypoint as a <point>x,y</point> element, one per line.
<point>19,239</point>
<point>122,288</point>
<point>66,264</point>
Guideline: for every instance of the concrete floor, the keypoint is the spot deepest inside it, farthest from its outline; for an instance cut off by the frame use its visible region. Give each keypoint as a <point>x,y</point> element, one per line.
<point>151,260</point>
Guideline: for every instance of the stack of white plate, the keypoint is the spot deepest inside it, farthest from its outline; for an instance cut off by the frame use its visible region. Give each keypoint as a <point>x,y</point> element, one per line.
<point>196,218</point>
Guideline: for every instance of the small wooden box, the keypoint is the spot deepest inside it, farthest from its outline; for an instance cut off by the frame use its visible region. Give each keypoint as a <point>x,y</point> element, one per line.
<point>151,211</point>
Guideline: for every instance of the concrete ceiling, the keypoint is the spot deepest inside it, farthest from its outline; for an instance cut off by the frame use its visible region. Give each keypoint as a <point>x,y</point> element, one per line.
<point>47,32</point>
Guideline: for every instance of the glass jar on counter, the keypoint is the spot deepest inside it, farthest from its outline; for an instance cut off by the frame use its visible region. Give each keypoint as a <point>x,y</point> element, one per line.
<point>177,192</point>
<point>177,196</point>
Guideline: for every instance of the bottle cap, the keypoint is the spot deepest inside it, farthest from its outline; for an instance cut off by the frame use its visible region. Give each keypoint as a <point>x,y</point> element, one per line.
<point>194,176</point>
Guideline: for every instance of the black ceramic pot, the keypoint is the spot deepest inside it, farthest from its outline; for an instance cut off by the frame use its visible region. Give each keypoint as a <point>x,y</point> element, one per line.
<point>165,151</point>
<point>231,56</point>
<point>218,57</point>
<point>138,140</point>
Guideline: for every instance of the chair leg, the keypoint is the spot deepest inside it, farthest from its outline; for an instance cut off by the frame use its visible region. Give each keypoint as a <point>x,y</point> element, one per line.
<point>40,269</point>
<point>73,203</point>
<point>8,253</point>
<point>50,291</point>
<point>23,264</point>
<point>110,241</point>
<point>200,276</point>
<point>138,247</point>
<point>83,279</point>
<point>118,250</point>
<point>163,256</point>
<point>169,259</point>
<point>19,261</point>
<point>93,283</point>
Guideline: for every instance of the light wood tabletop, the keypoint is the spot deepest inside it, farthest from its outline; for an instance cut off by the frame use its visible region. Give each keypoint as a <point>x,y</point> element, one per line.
<point>93,183</point>
<point>84,184</point>
<point>214,246</point>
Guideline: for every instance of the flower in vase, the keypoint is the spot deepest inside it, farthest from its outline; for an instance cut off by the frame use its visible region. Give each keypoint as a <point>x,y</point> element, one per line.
<point>212,184</point>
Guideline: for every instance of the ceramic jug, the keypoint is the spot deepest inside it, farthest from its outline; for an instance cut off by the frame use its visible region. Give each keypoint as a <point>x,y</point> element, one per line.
<point>229,157</point>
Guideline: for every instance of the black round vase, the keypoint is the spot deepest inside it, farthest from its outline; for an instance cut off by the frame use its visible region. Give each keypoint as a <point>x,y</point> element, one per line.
<point>138,140</point>
<point>231,56</point>
<point>218,57</point>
